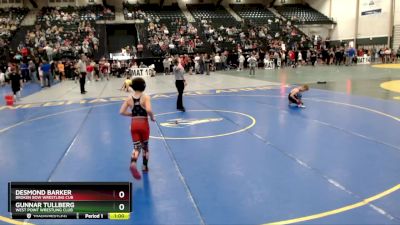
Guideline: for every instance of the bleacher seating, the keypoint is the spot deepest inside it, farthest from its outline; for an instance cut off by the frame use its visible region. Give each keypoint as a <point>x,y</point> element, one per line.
<point>215,17</point>
<point>169,13</point>
<point>165,29</point>
<point>66,30</point>
<point>133,12</point>
<point>299,13</point>
<point>96,12</point>
<point>181,33</point>
<point>46,19</point>
<point>217,14</point>
<point>257,15</point>
<point>10,20</point>
<point>252,11</point>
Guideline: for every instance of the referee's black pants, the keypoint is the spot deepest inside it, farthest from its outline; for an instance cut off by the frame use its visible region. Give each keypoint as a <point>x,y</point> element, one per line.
<point>82,80</point>
<point>180,85</point>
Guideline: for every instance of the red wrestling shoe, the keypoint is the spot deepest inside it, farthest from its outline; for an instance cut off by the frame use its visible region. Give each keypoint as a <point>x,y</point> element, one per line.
<point>135,172</point>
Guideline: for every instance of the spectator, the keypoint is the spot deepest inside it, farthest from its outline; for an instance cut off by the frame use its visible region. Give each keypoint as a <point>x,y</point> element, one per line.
<point>61,70</point>
<point>241,60</point>
<point>352,55</point>
<point>140,49</point>
<point>207,62</point>
<point>46,69</point>
<point>2,78</point>
<point>32,71</point>
<point>167,65</point>
<point>252,64</point>
<point>90,70</point>
<point>24,71</point>
<point>217,60</point>
<point>16,83</point>
<point>134,51</point>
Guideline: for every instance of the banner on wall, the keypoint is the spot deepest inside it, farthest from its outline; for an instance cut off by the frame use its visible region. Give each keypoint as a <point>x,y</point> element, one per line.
<point>370,7</point>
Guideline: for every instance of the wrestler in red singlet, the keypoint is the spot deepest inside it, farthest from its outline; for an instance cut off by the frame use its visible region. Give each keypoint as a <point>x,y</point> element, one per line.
<point>140,108</point>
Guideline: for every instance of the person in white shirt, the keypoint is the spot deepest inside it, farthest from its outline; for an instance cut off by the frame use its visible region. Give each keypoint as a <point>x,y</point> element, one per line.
<point>217,60</point>
<point>300,58</point>
<point>197,64</point>
<point>95,41</point>
<point>85,49</point>
<point>261,34</point>
<point>241,62</point>
<point>171,45</point>
<point>190,49</point>
<point>49,52</point>
<point>267,63</point>
<point>252,64</point>
<point>107,69</point>
<point>167,66</point>
<point>388,53</point>
<point>2,78</point>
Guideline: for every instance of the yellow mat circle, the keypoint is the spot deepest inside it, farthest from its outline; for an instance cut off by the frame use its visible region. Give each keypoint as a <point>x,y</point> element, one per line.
<point>387,66</point>
<point>393,85</point>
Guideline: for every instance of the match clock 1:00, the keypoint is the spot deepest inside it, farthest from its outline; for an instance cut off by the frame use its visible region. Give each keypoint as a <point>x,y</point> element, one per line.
<point>119,216</point>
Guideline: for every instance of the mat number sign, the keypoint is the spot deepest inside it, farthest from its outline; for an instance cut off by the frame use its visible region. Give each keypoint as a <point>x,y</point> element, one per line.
<point>141,72</point>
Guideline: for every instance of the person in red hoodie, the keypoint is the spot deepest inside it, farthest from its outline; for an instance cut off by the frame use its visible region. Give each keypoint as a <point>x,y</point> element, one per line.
<point>89,70</point>
<point>292,58</point>
<point>24,52</point>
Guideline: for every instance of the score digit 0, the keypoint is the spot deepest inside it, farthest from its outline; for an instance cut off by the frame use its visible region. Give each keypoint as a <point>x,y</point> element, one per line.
<point>121,194</point>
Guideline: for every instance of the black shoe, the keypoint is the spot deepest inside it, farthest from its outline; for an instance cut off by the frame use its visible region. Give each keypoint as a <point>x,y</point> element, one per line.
<point>182,109</point>
<point>84,92</point>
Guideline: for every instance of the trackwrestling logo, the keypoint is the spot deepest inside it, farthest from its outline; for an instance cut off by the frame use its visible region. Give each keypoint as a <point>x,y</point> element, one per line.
<point>181,123</point>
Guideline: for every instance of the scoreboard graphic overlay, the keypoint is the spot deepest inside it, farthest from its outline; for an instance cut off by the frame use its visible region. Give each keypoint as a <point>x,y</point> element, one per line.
<point>70,200</point>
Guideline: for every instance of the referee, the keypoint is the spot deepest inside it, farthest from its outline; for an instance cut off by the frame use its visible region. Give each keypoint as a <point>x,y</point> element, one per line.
<point>180,83</point>
<point>82,73</point>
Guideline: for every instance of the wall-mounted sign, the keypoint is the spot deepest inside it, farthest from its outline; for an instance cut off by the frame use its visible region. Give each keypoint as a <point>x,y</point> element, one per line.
<point>370,7</point>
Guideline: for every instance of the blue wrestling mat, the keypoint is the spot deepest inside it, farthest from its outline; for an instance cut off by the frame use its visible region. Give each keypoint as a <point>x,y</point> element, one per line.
<point>237,156</point>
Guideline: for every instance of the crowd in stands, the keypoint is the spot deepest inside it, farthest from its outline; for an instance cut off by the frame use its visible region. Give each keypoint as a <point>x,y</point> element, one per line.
<point>96,12</point>
<point>10,20</point>
<point>162,40</point>
<point>133,12</point>
<point>51,48</point>
<point>303,14</point>
<point>61,33</point>
<point>255,38</point>
<point>277,58</point>
<point>179,36</point>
